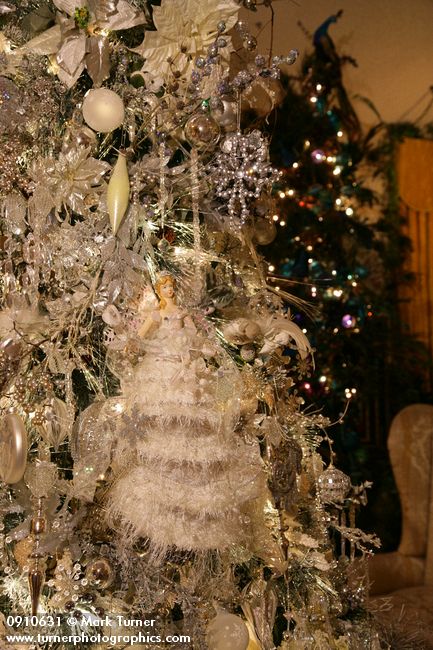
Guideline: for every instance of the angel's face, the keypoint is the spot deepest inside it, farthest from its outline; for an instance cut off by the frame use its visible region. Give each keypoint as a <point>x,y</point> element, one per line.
<point>166,290</point>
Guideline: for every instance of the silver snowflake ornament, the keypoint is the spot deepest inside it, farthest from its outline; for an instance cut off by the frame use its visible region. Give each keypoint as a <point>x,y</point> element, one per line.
<point>241,171</point>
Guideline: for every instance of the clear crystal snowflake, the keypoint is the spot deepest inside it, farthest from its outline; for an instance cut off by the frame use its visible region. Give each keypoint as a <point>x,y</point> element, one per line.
<point>241,172</point>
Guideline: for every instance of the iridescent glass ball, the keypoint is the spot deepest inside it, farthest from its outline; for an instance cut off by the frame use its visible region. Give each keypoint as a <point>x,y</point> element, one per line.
<point>202,131</point>
<point>100,573</point>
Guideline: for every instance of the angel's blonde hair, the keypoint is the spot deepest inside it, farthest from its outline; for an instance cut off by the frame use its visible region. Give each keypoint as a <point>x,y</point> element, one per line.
<point>165,279</point>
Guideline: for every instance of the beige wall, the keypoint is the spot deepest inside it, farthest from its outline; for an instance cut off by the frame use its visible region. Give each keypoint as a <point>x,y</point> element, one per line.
<point>392,41</point>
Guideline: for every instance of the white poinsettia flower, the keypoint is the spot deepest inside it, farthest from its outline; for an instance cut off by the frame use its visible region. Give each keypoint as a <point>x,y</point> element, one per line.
<point>79,40</point>
<point>184,30</point>
<point>73,179</point>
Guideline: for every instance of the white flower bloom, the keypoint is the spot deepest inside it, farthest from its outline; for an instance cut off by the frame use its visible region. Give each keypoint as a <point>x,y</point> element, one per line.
<point>184,30</point>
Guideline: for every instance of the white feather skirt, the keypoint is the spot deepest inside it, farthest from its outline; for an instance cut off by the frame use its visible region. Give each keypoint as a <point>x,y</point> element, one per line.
<point>190,478</point>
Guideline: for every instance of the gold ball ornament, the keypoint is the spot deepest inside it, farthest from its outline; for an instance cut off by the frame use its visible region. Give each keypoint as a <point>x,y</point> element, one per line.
<point>227,632</point>
<point>103,110</point>
<point>202,131</point>
<point>13,448</point>
<point>264,232</point>
<point>100,573</point>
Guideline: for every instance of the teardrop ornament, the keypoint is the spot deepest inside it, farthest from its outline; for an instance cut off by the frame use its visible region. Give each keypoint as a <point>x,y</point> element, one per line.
<point>118,193</point>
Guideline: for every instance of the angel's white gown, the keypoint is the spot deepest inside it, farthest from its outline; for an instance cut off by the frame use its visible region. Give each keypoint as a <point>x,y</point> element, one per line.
<point>191,476</point>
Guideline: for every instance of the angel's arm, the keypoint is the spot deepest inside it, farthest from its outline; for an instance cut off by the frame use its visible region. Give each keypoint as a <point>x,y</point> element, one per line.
<point>189,323</point>
<point>147,326</point>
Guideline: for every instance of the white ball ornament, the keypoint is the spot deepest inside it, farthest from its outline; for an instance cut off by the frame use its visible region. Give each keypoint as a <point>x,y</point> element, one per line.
<point>103,110</point>
<point>227,632</point>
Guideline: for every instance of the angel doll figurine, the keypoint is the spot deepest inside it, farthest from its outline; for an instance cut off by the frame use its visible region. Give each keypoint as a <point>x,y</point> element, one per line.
<point>191,476</point>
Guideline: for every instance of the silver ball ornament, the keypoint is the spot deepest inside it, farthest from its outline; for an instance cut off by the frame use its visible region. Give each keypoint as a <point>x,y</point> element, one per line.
<point>333,485</point>
<point>226,115</point>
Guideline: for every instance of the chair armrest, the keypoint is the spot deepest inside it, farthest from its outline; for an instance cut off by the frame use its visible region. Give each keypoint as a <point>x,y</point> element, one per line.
<point>391,571</point>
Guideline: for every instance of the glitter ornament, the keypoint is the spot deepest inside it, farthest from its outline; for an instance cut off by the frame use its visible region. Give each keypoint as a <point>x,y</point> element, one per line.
<point>248,353</point>
<point>40,477</point>
<point>227,632</point>
<point>13,448</point>
<point>22,551</point>
<point>333,485</point>
<point>291,57</point>
<point>202,130</point>
<point>250,43</point>
<point>100,573</point>
<point>103,110</point>
<point>12,111</point>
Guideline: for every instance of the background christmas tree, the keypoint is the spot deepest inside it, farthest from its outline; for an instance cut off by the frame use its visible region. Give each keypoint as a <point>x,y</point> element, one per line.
<point>106,194</point>
<point>339,246</point>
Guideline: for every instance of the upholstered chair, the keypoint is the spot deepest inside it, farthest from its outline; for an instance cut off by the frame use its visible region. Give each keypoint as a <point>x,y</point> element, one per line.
<point>406,575</point>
